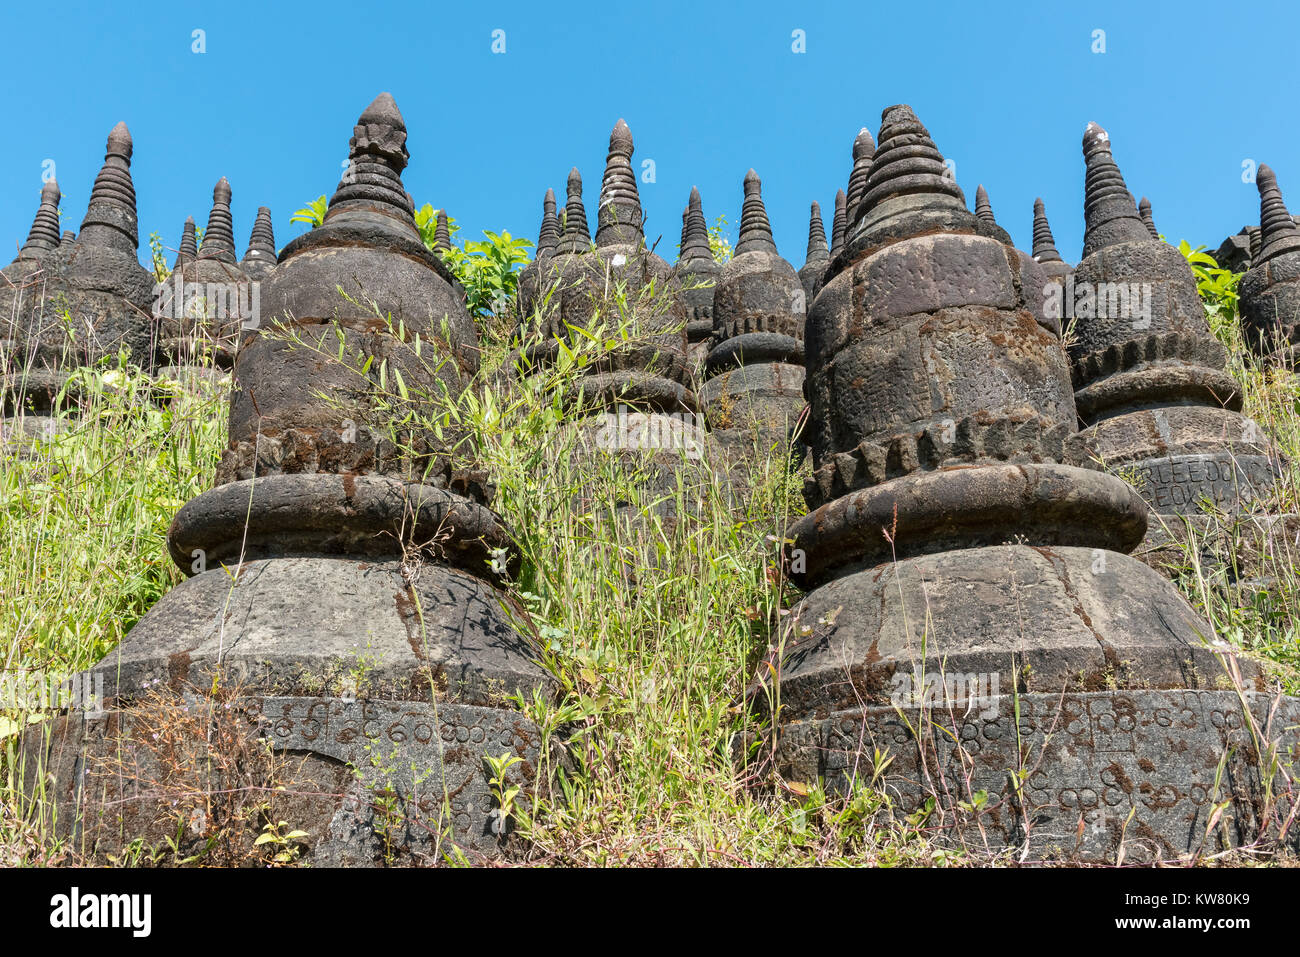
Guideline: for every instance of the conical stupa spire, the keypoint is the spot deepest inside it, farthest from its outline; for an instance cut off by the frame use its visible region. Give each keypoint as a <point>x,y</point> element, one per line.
<point>261,241</point>
<point>219,237</point>
<point>69,237</point>
<point>686,210</point>
<point>442,232</point>
<point>1109,213</point>
<point>1044,244</point>
<point>44,234</point>
<point>189,248</point>
<point>1144,213</point>
<point>110,214</point>
<point>1278,232</point>
<point>577,235</point>
<point>983,208</point>
<point>864,149</point>
<point>377,155</point>
<point>817,251</point>
<point>695,244</point>
<point>549,235</point>
<point>908,163</point>
<point>619,218</point>
<point>839,224</point>
<point>755,230</point>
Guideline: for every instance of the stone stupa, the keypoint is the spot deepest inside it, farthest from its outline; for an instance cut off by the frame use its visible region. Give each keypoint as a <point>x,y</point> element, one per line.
<point>1144,213</point>
<point>1270,290</point>
<point>696,272</point>
<point>259,257</point>
<point>1152,393</point>
<point>1044,248</point>
<point>96,286</point>
<point>528,290</point>
<point>817,257</point>
<point>987,221</point>
<point>754,370</point>
<point>188,251</point>
<point>206,302</point>
<point>343,581</point>
<point>28,386</point>
<point>952,546</point>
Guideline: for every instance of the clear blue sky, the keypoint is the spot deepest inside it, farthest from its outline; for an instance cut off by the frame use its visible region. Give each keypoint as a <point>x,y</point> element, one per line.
<point>1187,90</point>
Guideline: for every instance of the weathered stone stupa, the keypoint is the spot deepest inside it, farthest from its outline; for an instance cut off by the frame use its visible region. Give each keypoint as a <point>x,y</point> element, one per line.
<point>696,275</point>
<point>988,223</point>
<point>43,239</point>
<point>950,546</point>
<point>1044,249</point>
<point>1149,377</point>
<point>528,289</point>
<point>839,225</point>
<point>864,148</point>
<point>342,582</point>
<point>817,258</point>
<point>650,372</point>
<point>755,366</point>
<point>188,251</point>
<point>259,257</point>
<point>95,286</point>
<point>202,306</point>
<point>36,260</point>
<point>1270,291</point>
<point>442,232</point>
<point>108,290</point>
<point>27,387</point>
<point>1144,213</point>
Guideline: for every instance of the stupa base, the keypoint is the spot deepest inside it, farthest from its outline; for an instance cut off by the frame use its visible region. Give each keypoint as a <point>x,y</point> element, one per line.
<point>1137,776</point>
<point>370,782</point>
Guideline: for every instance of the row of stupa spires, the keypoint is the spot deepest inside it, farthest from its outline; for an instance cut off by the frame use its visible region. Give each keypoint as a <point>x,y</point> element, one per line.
<point>566,229</point>
<point>561,231</point>
<point>110,218</point>
<point>218,237</point>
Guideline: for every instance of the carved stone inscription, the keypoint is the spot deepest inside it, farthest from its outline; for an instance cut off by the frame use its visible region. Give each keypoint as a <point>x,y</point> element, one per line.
<point>423,761</point>
<point>1098,769</point>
